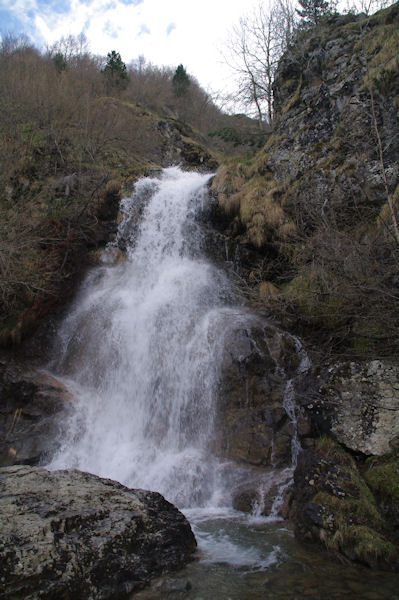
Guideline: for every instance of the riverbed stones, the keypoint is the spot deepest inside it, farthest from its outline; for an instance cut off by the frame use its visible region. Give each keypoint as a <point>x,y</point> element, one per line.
<point>72,535</point>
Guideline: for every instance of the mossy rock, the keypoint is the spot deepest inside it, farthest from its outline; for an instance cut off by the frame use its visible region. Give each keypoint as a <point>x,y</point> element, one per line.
<point>363,544</point>
<point>335,506</point>
<point>383,479</point>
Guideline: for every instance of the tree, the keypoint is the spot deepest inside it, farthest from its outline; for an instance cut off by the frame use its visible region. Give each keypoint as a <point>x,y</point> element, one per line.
<point>180,81</point>
<point>255,46</point>
<point>115,71</point>
<point>68,50</point>
<point>314,10</point>
<point>59,62</point>
<point>367,7</point>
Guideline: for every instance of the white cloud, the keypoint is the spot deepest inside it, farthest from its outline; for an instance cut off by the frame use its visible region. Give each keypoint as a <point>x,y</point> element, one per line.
<point>199,28</point>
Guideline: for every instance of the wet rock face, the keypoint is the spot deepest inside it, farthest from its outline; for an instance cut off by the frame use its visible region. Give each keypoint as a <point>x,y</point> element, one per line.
<point>33,407</point>
<point>253,424</point>
<point>358,404</point>
<point>72,535</point>
<point>179,145</point>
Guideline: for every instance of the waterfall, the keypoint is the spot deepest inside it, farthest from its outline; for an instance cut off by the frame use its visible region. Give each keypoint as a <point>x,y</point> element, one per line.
<point>140,350</point>
<point>291,408</point>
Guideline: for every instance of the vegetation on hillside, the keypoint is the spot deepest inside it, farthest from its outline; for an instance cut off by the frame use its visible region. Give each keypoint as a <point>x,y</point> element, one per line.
<point>318,204</point>
<point>74,130</point>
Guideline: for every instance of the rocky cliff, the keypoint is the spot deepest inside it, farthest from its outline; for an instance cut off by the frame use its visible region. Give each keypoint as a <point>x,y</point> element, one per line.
<point>313,214</point>
<point>310,226</point>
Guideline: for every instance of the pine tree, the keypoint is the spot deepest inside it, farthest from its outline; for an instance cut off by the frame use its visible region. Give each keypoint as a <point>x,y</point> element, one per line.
<point>115,70</point>
<point>59,62</point>
<point>181,81</point>
<point>313,10</point>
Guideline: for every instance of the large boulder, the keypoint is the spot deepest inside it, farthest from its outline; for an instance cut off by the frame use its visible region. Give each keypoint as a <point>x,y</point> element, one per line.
<point>73,535</point>
<point>358,404</point>
<point>33,407</point>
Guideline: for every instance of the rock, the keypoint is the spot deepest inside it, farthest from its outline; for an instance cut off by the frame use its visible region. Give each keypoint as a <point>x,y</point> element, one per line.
<point>174,586</point>
<point>258,495</point>
<point>180,144</point>
<point>310,212</point>
<point>253,425</point>
<point>358,404</point>
<point>73,535</point>
<point>332,505</point>
<point>33,407</point>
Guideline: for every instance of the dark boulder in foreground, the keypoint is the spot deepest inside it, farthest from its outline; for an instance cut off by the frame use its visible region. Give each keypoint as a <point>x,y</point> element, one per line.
<point>72,535</point>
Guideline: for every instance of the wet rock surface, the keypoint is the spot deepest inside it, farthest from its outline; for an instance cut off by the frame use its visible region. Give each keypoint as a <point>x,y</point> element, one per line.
<point>33,407</point>
<point>254,426</point>
<point>324,114</point>
<point>73,535</point>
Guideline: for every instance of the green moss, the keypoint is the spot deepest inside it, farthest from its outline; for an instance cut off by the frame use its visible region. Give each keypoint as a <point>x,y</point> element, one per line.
<point>364,544</point>
<point>352,522</point>
<point>354,505</point>
<point>384,480</point>
<point>317,303</point>
<point>330,450</point>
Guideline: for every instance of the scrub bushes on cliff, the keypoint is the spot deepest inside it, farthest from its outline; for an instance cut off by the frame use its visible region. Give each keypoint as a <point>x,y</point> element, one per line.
<point>331,169</point>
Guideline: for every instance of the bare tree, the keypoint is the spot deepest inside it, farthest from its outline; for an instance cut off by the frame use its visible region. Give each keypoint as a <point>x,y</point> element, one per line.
<point>367,7</point>
<point>254,48</point>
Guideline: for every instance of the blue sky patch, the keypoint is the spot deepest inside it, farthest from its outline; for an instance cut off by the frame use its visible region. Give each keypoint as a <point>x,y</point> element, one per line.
<point>58,7</point>
<point>132,2</point>
<point>170,28</point>
<point>111,29</point>
<point>144,29</point>
<point>9,23</point>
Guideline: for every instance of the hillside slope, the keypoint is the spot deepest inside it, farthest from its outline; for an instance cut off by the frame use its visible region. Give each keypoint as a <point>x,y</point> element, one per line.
<point>71,141</point>
<point>314,214</point>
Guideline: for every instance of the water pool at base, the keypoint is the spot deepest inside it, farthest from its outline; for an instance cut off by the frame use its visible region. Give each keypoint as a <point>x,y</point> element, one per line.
<point>241,558</point>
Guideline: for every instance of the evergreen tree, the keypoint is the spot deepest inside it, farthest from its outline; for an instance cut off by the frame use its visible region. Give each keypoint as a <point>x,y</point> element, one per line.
<point>181,81</point>
<point>313,10</point>
<point>59,62</point>
<point>115,70</point>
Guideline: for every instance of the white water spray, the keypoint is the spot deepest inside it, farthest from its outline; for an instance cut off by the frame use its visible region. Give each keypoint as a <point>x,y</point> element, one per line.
<point>140,350</point>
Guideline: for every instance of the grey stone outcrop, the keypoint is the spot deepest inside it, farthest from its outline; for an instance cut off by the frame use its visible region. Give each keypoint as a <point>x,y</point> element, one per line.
<point>358,404</point>
<point>72,535</point>
<point>33,408</point>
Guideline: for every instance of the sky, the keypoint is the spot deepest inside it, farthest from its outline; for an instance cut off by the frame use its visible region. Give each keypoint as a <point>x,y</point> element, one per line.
<point>166,32</point>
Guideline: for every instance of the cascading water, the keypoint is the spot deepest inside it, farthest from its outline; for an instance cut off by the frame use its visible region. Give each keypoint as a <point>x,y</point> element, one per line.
<point>140,350</point>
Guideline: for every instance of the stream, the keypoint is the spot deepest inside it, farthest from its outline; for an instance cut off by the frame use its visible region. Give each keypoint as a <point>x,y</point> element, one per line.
<point>141,349</point>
